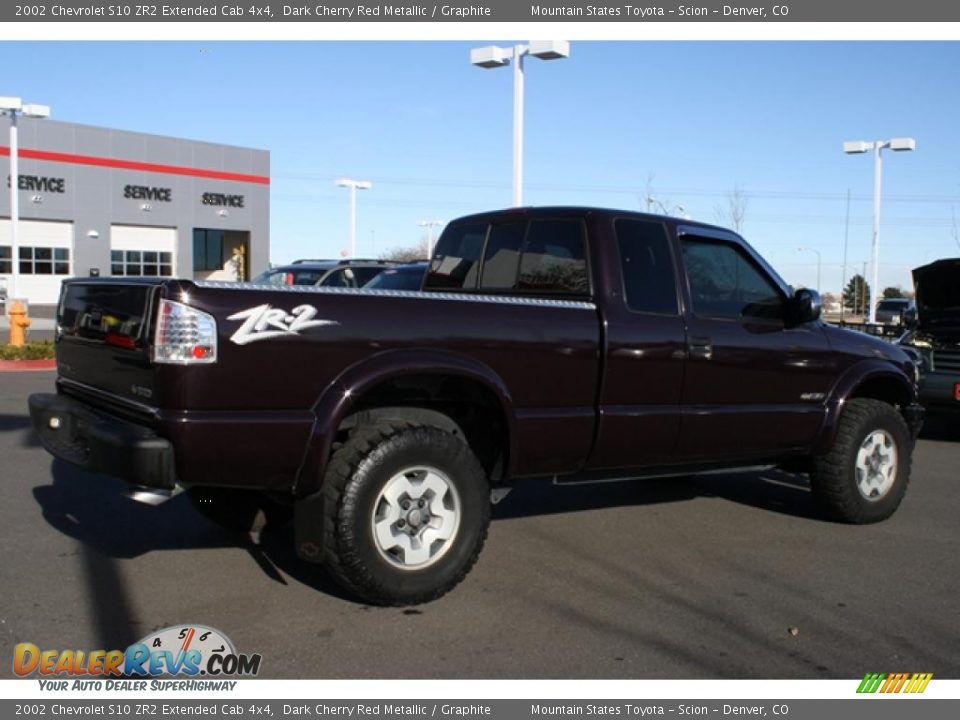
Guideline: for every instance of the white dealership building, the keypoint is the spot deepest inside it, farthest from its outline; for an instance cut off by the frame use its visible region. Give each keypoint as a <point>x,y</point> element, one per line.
<point>96,201</point>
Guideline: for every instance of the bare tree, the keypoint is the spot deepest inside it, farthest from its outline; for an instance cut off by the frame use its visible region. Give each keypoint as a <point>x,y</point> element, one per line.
<point>421,251</point>
<point>655,203</point>
<point>735,213</point>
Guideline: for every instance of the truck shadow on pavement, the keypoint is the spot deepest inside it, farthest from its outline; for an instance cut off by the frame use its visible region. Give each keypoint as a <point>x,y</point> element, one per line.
<point>941,427</point>
<point>95,511</point>
<point>19,423</point>
<point>771,490</point>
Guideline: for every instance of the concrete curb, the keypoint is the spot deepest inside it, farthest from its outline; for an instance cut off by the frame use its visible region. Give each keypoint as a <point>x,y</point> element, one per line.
<point>27,365</point>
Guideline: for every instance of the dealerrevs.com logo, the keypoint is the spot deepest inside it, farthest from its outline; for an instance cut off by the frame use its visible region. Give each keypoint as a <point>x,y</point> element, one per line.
<point>178,651</point>
<point>894,682</point>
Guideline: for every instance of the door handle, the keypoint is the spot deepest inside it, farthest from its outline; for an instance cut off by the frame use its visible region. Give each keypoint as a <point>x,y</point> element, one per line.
<point>700,347</point>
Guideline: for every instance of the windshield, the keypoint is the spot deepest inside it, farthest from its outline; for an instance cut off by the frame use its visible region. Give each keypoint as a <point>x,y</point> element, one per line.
<point>407,278</point>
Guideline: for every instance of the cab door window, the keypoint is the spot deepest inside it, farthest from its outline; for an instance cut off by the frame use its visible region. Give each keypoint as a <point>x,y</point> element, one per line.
<point>725,283</point>
<point>649,283</point>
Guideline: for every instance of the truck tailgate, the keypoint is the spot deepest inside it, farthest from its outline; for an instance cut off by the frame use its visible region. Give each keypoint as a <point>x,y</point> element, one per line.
<point>104,331</point>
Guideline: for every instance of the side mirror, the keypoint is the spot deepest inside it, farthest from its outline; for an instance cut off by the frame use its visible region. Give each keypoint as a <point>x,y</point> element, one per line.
<point>806,306</point>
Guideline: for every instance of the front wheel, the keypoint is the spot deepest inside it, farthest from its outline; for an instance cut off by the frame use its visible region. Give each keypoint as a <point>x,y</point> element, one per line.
<point>407,509</point>
<point>864,475</point>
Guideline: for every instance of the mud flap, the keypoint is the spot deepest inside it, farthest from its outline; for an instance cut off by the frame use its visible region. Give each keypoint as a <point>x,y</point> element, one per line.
<point>308,528</point>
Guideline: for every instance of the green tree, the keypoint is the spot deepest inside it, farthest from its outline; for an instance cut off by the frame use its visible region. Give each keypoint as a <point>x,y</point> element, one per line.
<point>856,295</point>
<point>893,292</point>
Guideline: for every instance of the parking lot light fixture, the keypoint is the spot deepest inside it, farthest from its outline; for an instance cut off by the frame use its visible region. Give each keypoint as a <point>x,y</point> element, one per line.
<point>353,185</point>
<point>493,56</point>
<point>13,106</point>
<point>856,147</point>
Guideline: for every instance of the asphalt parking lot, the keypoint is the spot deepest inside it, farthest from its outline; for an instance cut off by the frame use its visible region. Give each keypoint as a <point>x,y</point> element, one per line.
<point>726,577</point>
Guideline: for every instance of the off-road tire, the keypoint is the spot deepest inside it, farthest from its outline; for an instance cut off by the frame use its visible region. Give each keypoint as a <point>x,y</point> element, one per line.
<point>834,478</point>
<point>356,478</point>
<point>238,510</point>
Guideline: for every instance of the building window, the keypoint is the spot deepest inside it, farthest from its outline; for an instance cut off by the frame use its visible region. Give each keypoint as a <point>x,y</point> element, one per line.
<point>207,249</point>
<point>37,260</point>
<point>137,263</point>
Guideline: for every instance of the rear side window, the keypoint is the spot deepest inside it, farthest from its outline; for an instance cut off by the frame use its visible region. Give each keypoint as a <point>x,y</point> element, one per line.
<point>501,259</point>
<point>456,259</point>
<point>539,256</point>
<point>363,275</point>
<point>649,282</point>
<point>554,258</point>
<point>344,277</point>
<point>725,283</point>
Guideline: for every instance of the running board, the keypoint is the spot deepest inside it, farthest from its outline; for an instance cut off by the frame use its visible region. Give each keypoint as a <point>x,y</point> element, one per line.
<point>596,478</point>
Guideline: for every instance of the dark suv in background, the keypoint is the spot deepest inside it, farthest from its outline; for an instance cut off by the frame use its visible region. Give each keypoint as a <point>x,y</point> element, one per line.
<point>324,273</point>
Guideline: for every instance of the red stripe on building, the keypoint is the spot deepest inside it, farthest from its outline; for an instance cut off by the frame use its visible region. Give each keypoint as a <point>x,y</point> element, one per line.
<point>118,164</point>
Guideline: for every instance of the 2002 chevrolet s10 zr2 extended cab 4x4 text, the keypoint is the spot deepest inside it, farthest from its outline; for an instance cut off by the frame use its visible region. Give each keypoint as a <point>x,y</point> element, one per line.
<point>574,343</point>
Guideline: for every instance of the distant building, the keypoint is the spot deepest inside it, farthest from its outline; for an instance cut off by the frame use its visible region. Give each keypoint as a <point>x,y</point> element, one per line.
<point>125,204</point>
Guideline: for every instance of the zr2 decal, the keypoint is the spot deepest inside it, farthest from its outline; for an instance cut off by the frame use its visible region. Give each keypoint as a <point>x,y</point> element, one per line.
<point>264,322</point>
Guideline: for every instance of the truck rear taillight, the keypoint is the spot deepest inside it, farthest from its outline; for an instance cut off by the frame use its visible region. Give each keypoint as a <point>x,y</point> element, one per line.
<point>184,336</point>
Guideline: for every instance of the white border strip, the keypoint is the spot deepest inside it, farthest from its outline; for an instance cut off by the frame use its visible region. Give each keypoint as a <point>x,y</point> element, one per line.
<point>544,690</point>
<point>600,30</point>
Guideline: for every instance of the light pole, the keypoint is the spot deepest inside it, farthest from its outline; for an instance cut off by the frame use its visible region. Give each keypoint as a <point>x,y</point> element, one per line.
<point>429,225</point>
<point>14,106</point>
<point>857,147</point>
<point>493,56</point>
<point>806,249</point>
<point>354,185</point>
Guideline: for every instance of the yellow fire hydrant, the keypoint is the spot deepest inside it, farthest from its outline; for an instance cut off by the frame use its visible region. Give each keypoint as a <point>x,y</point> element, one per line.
<point>19,322</point>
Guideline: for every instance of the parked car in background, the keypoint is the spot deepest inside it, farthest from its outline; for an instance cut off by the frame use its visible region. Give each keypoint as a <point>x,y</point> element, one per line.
<point>935,332</point>
<point>323,273</point>
<point>890,311</point>
<point>408,276</point>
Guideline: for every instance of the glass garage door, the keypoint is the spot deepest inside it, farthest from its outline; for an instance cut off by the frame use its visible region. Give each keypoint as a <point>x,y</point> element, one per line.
<point>142,251</point>
<point>44,258</point>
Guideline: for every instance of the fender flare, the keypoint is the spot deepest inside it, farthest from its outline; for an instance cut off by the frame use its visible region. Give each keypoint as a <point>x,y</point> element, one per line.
<point>855,376</point>
<point>337,400</point>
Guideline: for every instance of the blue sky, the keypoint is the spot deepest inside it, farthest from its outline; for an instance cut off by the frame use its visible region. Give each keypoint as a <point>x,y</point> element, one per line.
<point>693,120</point>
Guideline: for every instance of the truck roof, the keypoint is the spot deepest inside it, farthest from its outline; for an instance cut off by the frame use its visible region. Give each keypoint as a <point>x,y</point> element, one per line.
<point>584,210</point>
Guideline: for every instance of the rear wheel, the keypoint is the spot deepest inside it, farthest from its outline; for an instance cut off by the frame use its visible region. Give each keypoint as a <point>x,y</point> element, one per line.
<point>864,476</point>
<point>406,512</point>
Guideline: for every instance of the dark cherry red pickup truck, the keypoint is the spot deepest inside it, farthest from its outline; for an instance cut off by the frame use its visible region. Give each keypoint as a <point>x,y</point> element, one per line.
<point>574,343</point>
